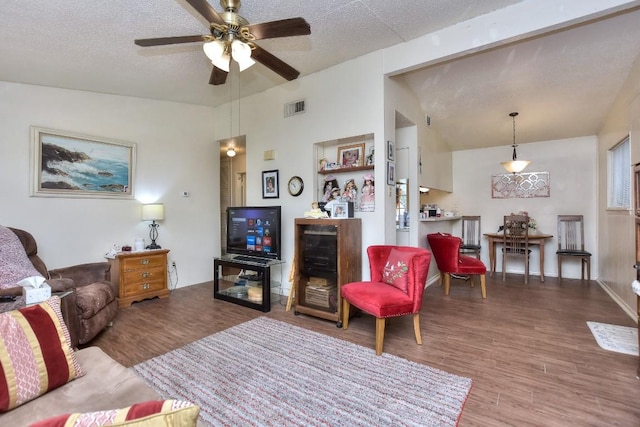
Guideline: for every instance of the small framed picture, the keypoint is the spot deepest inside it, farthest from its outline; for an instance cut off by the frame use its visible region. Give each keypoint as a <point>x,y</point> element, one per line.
<point>270,185</point>
<point>391,151</point>
<point>391,173</point>
<point>339,210</point>
<point>351,155</point>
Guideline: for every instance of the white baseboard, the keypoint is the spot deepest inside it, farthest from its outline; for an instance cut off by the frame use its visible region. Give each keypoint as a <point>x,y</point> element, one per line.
<point>623,305</point>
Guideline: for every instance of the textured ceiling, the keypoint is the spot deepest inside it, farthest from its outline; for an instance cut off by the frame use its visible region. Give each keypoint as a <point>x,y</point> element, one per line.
<point>562,84</point>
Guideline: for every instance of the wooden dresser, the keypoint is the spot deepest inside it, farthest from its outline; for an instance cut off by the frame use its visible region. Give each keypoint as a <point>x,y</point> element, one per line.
<point>140,275</point>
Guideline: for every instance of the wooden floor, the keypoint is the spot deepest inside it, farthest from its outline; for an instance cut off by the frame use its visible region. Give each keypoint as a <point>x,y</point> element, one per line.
<point>528,349</point>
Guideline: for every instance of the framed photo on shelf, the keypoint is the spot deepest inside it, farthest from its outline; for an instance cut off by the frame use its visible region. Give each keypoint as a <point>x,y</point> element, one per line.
<point>270,185</point>
<point>339,210</point>
<point>66,164</point>
<point>391,151</point>
<point>351,155</point>
<point>391,172</point>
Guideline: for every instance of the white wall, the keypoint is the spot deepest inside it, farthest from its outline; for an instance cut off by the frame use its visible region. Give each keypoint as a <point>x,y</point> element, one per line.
<point>341,102</point>
<point>616,229</point>
<point>571,164</point>
<point>176,151</point>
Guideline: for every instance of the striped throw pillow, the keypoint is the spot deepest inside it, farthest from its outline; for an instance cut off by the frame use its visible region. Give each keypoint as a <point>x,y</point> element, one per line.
<point>153,413</point>
<point>35,353</point>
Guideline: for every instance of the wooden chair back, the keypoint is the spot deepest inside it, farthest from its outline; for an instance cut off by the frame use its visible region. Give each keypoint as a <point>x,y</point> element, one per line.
<point>471,235</point>
<point>571,233</point>
<point>515,242</point>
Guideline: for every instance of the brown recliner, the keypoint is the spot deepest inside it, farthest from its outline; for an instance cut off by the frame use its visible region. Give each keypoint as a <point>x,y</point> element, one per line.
<point>92,306</point>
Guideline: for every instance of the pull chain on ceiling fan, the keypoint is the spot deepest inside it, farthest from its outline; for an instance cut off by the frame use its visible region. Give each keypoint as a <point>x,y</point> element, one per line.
<point>233,37</point>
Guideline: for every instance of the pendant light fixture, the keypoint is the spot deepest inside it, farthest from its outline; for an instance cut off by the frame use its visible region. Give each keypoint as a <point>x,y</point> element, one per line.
<point>515,165</point>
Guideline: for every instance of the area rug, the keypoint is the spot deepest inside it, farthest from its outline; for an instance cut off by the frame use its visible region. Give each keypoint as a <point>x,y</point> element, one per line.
<point>268,373</point>
<point>621,339</point>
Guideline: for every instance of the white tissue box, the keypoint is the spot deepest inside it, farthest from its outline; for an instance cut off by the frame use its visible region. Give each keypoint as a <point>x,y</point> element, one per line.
<point>35,295</point>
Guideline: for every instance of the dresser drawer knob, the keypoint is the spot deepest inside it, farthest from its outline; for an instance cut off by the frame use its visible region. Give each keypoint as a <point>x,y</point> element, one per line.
<point>145,286</point>
<point>144,261</point>
<point>145,274</point>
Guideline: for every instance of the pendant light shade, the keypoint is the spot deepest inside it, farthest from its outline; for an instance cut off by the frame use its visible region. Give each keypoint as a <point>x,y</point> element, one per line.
<point>515,165</point>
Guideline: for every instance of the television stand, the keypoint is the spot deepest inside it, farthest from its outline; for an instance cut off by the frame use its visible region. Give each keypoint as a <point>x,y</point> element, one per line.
<point>251,288</point>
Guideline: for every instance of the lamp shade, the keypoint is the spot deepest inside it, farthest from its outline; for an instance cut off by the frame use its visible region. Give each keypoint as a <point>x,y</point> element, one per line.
<point>515,166</point>
<point>153,212</point>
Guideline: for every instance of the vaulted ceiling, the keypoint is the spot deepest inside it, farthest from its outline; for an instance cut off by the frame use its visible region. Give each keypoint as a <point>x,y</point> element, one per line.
<point>562,82</point>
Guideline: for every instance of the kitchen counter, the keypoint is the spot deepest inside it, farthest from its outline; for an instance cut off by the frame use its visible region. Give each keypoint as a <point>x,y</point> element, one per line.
<point>440,218</point>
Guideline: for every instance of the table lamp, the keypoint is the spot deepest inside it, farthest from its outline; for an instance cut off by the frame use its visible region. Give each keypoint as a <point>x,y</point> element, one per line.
<point>153,212</point>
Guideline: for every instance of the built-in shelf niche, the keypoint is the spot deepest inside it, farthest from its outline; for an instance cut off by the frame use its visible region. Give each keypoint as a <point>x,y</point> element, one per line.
<point>329,150</point>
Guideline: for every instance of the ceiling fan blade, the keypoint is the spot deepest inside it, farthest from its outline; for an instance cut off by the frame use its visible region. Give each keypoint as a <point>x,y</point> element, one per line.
<point>273,63</point>
<point>169,40</point>
<point>283,28</point>
<point>205,9</point>
<point>218,76</point>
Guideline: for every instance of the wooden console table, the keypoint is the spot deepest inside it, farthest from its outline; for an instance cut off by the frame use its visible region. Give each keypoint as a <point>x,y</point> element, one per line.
<point>536,239</point>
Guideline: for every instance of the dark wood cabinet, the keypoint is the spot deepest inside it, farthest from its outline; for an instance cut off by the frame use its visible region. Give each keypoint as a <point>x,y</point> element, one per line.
<point>328,254</point>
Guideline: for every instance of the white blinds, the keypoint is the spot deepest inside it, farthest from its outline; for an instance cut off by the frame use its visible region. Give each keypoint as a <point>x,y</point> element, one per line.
<point>620,176</point>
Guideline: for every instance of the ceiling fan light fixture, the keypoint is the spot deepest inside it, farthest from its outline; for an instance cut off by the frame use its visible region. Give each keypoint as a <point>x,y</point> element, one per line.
<point>231,152</point>
<point>241,53</point>
<point>222,62</point>
<point>213,49</point>
<point>216,51</point>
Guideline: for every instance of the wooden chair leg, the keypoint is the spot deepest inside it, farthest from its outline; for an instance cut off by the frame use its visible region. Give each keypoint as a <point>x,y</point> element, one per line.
<point>379,335</point>
<point>416,328</point>
<point>441,281</point>
<point>504,266</point>
<point>589,268</point>
<point>345,313</point>
<point>447,283</point>
<point>559,268</point>
<point>483,286</point>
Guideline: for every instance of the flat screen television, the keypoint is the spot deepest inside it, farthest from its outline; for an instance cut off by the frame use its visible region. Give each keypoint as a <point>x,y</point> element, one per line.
<point>254,231</point>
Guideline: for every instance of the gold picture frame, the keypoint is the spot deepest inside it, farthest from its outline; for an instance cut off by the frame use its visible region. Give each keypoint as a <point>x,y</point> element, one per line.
<point>351,155</point>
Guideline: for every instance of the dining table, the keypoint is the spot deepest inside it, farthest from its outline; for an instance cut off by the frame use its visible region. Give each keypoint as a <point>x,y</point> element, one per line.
<point>536,238</point>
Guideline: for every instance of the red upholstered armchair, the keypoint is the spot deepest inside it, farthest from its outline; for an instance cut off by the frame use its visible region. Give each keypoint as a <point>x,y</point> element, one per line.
<point>398,278</point>
<point>446,251</point>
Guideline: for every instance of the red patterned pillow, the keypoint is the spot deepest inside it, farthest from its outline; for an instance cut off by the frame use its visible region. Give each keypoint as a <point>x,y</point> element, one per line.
<point>35,353</point>
<point>396,269</point>
<point>152,413</point>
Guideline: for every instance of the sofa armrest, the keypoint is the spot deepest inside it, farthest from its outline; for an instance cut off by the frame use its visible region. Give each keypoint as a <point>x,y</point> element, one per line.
<point>84,274</point>
<point>57,285</point>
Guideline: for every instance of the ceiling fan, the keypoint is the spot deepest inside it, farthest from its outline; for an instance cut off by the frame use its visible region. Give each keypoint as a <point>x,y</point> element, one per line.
<point>233,37</point>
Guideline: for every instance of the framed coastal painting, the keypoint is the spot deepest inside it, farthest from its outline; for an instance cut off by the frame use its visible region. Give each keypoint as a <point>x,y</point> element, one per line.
<point>65,164</point>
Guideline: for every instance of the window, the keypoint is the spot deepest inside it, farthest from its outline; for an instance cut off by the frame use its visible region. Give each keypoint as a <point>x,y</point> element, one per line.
<point>619,165</point>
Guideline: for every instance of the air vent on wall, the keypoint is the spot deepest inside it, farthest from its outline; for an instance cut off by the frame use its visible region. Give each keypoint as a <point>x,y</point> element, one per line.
<point>293,108</point>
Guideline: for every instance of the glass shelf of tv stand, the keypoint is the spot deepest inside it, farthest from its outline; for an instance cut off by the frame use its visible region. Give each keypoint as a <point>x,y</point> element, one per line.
<point>233,280</point>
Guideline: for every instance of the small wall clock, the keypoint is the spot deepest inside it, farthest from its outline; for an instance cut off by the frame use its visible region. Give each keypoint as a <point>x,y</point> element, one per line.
<point>295,186</point>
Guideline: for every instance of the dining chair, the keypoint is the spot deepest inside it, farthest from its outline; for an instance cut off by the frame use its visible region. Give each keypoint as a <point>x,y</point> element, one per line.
<point>446,251</point>
<point>515,242</point>
<point>571,243</point>
<point>471,236</point>
<point>398,279</point>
